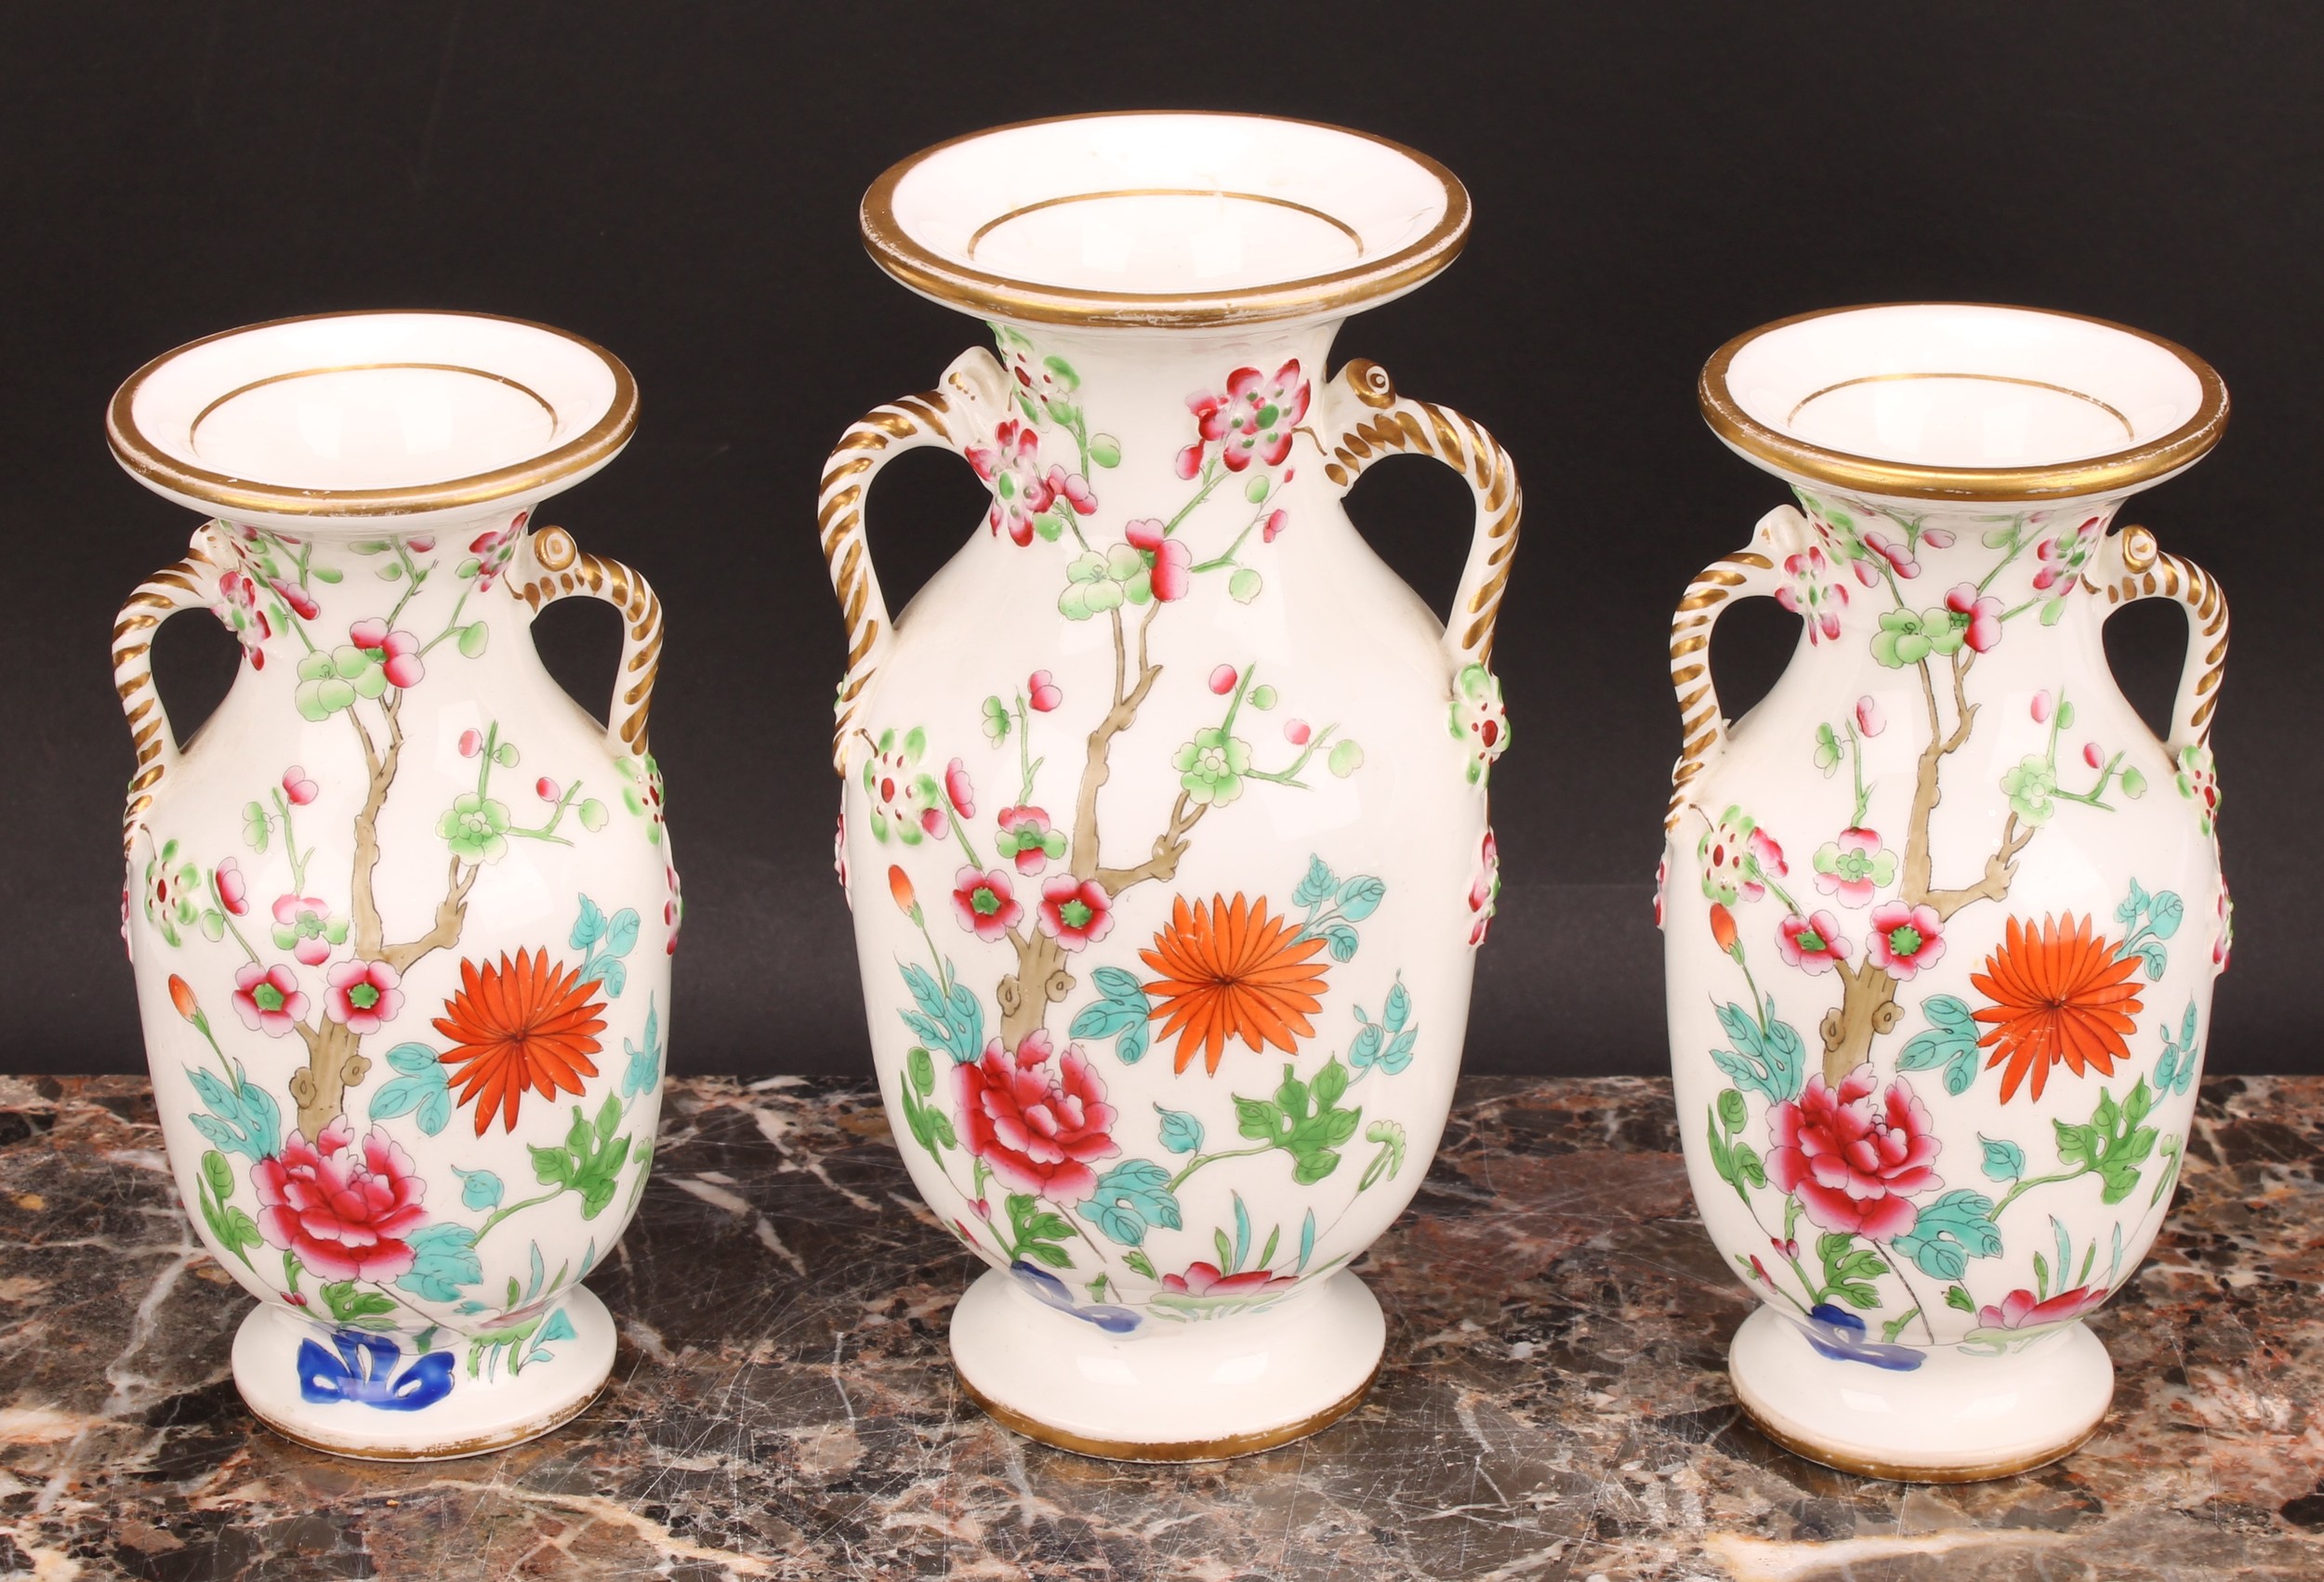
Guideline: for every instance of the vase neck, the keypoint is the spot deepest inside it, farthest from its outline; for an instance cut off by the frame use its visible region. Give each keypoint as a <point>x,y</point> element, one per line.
<point>1901,581</point>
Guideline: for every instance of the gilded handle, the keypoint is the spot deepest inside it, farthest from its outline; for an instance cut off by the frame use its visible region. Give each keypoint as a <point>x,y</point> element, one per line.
<point>1380,422</point>
<point>2139,569</point>
<point>553,567</point>
<point>944,416</point>
<point>1703,725</point>
<point>192,584</point>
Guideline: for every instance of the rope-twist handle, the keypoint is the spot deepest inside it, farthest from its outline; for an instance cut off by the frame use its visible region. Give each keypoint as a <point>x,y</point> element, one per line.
<point>1369,421</point>
<point>192,584</point>
<point>551,566</point>
<point>2139,569</point>
<point>948,416</point>
<point>1745,573</point>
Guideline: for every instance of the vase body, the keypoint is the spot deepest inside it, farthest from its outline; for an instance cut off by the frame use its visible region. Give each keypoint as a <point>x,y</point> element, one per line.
<point>401,915</point>
<point>1942,919</point>
<point>1165,831</point>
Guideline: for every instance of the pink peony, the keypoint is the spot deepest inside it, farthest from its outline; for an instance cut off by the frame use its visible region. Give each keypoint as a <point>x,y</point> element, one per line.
<point>345,1218</point>
<point>1037,1122</point>
<point>1854,1165</point>
<point>1205,1280</point>
<point>2020,1310</point>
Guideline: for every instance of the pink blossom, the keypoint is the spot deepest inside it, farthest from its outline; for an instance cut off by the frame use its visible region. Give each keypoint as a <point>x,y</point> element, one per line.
<point>1277,521</point>
<point>1223,679</point>
<point>1042,691</point>
<point>1938,538</point>
<point>421,545</point>
<point>545,788</point>
<point>363,995</point>
<point>267,998</point>
<point>398,652</point>
<point>302,790</point>
<point>1297,731</point>
<point>471,742</point>
<point>233,891</point>
<point>298,597</point>
<point>1983,612</point>
<point>1075,912</point>
<point>932,819</point>
<point>1905,939</point>
<point>299,925</point>
<point>2043,704</point>
<point>986,904</point>
<point>1172,571</point>
<point>2019,1310</point>
<point>1896,554</point>
<point>1869,720</point>
<point>1146,534</point>
<point>958,789</point>
<point>1074,488</point>
<point>1812,943</point>
<point>2092,756</point>
<point>1025,836</point>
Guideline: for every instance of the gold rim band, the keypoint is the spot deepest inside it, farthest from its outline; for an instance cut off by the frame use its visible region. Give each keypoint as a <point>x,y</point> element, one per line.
<point>982,232</point>
<point>1221,1449</point>
<point>239,391</point>
<point>451,1450</point>
<point>1006,296</point>
<point>2130,430</point>
<point>2111,473</point>
<point>135,451</point>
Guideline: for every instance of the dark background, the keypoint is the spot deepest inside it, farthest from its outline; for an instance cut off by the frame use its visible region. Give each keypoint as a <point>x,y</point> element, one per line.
<point>680,184</point>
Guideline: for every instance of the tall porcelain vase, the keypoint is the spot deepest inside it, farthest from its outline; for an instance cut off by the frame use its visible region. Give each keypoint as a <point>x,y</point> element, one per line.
<point>1165,810</point>
<point>401,911</point>
<point>1942,916</point>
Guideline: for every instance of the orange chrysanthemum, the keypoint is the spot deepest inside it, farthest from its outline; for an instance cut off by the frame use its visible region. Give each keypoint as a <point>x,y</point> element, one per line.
<point>2059,994</point>
<point>522,1023</point>
<point>1231,970</point>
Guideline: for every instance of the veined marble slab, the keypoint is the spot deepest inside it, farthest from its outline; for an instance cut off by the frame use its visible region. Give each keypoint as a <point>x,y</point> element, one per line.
<point>1555,1403</point>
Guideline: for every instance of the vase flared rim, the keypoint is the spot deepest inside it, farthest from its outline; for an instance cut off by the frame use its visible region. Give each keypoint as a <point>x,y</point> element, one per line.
<point>1359,218</point>
<point>576,401</point>
<point>1752,401</point>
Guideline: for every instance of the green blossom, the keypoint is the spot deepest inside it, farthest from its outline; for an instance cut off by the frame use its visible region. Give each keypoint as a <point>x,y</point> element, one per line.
<point>1905,637</point>
<point>2029,788</point>
<point>1096,583</point>
<point>476,828</point>
<point>1213,766</point>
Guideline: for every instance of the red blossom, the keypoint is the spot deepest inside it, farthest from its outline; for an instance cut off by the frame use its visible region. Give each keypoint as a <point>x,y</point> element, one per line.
<point>1037,1122</point>
<point>1075,912</point>
<point>986,904</point>
<point>344,1218</point>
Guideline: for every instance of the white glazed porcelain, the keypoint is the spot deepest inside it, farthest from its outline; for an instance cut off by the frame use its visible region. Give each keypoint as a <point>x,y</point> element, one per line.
<point>1165,819</point>
<point>1942,916</point>
<point>401,911</point>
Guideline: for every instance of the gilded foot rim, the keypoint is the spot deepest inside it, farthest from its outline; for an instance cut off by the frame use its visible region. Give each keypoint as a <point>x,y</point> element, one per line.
<point>1191,1450</point>
<point>1967,1472</point>
<point>1154,1387</point>
<point>483,1445</point>
<point>1948,1416</point>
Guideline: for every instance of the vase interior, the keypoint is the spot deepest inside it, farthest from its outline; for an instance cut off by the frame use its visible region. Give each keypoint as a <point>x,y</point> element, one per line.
<point>359,413</point>
<point>1964,384</point>
<point>1177,209</point>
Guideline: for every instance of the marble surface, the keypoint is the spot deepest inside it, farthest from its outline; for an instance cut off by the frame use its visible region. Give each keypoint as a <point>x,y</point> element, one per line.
<point>1554,1404</point>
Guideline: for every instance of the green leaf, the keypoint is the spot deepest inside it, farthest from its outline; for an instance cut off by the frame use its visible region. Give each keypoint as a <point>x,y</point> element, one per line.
<point>349,1306</point>
<point>1181,1133</point>
<point>2052,611</point>
<point>1732,1111</point>
<point>1330,1083</point>
<point>1256,490</point>
<point>472,640</point>
<point>218,1174</point>
<point>1949,1233</point>
<point>1261,697</point>
<point>1245,585</point>
<point>1748,1164</point>
<point>1048,1253</point>
<point>1259,1120</point>
<point>2004,1161</point>
<point>1291,1097</point>
<point>1773,1064</point>
<point>922,1070</point>
<point>1358,899</point>
<point>1313,889</point>
<point>1106,450</point>
<point>1398,1009</point>
<point>1141,1264</point>
<point>1345,760</point>
<point>1340,939</point>
<point>1958,1298</point>
<point>1390,1135</point>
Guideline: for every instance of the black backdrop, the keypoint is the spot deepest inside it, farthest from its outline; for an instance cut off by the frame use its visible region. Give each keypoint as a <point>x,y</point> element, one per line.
<point>681,185</point>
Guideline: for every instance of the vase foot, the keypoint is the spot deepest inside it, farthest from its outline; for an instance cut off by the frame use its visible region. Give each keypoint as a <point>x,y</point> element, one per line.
<point>1956,1419</point>
<point>278,1377</point>
<point>1201,1390</point>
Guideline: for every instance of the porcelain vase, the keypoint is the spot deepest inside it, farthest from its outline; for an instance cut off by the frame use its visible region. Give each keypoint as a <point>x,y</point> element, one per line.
<point>1942,916</point>
<point>1165,802</point>
<point>401,911</point>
